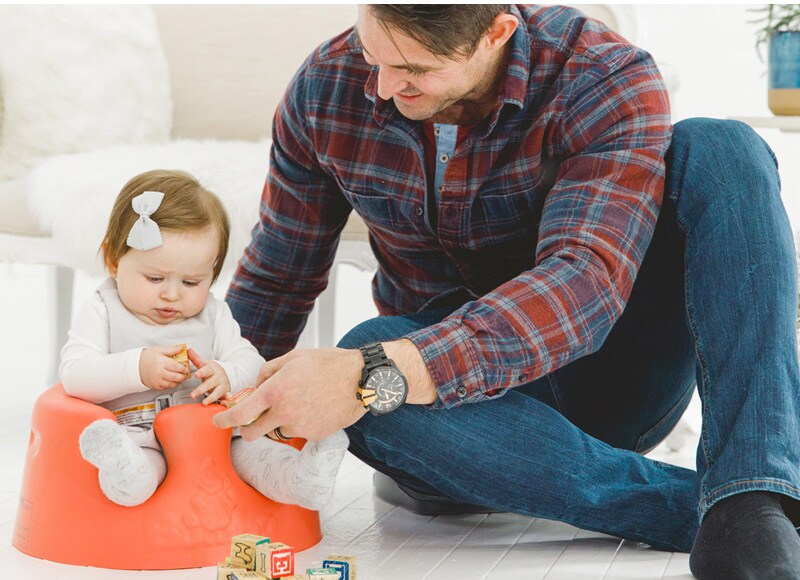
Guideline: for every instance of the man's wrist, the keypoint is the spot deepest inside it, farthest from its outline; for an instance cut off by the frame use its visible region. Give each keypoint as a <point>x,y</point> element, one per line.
<point>407,358</point>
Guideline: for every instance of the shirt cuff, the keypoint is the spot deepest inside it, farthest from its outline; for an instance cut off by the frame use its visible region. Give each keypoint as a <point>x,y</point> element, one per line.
<point>455,367</point>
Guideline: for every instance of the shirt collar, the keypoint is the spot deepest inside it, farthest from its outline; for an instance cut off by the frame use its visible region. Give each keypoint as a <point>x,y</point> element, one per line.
<point>513,88</point>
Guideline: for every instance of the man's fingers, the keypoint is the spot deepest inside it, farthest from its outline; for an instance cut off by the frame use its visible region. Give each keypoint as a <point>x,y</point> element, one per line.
<point>270,367</point>
<point>258,428</point>
<point>241,414</point>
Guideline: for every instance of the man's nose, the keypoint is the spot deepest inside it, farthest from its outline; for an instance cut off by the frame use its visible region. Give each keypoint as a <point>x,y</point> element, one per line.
<point>390,82</point>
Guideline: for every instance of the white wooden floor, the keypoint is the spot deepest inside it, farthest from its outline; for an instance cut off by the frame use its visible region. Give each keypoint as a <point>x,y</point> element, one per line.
<point>389,542</point>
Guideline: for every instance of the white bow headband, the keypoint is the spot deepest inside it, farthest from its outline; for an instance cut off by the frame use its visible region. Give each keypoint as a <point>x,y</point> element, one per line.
<point>144,234</point>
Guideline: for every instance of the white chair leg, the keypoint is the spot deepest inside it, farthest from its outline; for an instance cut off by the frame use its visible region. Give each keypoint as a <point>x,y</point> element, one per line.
<point>326,304</point>
<point>63,282</point>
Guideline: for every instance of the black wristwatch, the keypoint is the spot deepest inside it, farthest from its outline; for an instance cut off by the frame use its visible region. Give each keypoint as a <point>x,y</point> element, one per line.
<point>382,387</point>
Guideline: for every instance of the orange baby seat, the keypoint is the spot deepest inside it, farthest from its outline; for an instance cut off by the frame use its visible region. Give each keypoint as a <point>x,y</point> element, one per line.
<point>188,523</point>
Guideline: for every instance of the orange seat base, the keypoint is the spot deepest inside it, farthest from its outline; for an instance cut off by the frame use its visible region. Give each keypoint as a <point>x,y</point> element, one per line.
<point>188,523</point>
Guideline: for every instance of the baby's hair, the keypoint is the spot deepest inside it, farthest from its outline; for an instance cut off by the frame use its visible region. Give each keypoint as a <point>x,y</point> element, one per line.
<point>187,207</point>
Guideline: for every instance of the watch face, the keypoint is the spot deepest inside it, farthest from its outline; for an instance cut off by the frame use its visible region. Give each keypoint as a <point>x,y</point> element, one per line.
<point>390,389</point>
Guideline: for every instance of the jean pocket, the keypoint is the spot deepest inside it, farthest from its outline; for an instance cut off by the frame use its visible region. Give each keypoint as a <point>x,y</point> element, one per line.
<point>658,432</point>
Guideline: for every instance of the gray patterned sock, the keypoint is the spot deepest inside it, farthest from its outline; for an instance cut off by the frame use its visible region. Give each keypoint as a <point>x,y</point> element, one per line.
<point>284,474</point>
<point>128,474</point>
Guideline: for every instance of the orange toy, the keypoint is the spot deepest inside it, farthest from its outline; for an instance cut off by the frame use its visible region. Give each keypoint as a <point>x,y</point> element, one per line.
<point>188,522</point>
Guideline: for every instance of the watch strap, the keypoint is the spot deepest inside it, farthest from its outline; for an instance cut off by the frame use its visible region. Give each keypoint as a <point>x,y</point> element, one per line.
<point>374,357</point>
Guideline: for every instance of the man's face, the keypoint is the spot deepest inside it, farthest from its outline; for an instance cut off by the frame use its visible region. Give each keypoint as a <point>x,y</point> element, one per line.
<point>420,83</point>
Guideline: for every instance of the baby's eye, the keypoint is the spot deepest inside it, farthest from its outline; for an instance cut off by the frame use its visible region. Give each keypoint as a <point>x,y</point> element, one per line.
<point>190,283</point>
<point>154,278</point>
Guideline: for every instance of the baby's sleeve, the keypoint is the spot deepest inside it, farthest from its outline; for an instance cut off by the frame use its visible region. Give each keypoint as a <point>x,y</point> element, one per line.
<point>88,370</point>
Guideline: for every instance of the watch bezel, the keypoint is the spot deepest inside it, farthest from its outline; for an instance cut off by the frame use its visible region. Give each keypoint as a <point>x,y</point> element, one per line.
<point>396,371</point>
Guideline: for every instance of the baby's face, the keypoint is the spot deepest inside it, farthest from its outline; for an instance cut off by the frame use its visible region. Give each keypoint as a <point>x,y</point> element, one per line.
<point>169,283</point>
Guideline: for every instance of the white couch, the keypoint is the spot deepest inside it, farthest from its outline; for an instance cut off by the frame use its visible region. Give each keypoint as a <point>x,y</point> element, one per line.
<point>221,71</point>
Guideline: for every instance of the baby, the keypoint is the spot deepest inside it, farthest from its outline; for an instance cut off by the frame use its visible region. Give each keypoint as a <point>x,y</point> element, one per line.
<point>164,246</point>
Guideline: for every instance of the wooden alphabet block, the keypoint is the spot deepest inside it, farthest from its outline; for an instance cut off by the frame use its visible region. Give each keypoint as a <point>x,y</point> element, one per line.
<point>274,560</point>
<point>226,572</point>
<point>235,563</point>
<point>243,549</point>
<point>343,564</point>
<point>238,398</point>
<point>183,358</point>
<point>322,574</point>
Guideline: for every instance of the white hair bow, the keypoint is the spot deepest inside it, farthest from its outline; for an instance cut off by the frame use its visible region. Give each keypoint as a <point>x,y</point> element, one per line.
<point>144,234</point>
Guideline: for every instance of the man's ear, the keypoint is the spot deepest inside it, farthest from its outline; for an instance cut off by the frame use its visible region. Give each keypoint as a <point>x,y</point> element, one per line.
<point>501,30</point>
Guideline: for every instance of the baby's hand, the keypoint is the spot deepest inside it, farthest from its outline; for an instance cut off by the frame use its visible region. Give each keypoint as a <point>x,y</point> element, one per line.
<point>215,380</point>
<point>158,370</point>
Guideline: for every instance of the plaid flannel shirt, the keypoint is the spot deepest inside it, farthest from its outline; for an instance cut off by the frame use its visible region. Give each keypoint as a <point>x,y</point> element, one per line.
<point>543,217</point>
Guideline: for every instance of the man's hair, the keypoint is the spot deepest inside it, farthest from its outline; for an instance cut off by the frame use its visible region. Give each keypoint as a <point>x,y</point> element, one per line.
<point>448,30</point>
<point>187,207</point>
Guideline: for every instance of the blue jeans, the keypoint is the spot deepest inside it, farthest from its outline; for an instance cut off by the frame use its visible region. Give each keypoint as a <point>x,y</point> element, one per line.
<point>714,304</point>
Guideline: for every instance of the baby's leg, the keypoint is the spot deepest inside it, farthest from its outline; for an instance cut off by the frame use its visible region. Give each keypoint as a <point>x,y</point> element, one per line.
<point>286,475</point>
<point>128,474</point>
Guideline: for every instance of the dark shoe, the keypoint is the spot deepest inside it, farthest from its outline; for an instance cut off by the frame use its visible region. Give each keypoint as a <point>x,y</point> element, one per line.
<point>421,503</point>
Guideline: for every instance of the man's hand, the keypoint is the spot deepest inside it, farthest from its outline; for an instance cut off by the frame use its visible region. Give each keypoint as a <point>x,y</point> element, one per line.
<point>312,393</point>
<point>307,393</point>
<point>158,370</point>
<point>215,380</point>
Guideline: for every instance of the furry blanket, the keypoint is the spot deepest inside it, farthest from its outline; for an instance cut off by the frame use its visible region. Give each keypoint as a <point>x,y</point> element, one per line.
<point>72,195</point>
<point>77,78</point>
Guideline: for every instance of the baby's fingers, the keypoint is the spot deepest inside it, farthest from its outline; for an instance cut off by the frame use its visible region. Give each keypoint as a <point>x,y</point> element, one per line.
<point>214,395</point>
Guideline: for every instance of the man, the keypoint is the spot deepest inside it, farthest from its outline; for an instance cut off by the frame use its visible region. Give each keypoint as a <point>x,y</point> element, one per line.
<point>557,267</point>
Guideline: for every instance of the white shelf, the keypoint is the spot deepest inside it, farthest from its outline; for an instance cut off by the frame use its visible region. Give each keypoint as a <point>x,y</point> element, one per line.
<point>789,124</point>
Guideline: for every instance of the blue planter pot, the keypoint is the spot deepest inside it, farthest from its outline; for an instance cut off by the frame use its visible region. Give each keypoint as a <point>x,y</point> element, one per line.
<point>784,73</point>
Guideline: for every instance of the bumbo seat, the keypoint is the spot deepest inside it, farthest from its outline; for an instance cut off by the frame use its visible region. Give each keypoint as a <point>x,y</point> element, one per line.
<point>63,515</point>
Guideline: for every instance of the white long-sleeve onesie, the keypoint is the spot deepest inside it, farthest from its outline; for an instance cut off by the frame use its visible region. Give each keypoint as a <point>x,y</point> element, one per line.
<point>100,361</point>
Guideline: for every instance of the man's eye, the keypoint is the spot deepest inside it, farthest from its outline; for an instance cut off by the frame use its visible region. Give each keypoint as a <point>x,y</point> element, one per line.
<point>415,73</point>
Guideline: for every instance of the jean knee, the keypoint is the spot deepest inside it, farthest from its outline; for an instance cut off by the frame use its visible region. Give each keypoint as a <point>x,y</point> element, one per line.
<point>361,334</point>
<point>712,161</point>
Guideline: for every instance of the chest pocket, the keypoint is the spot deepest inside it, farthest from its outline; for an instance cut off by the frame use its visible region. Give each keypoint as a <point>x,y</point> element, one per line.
<point>376,211</point>
<point>505,222</point>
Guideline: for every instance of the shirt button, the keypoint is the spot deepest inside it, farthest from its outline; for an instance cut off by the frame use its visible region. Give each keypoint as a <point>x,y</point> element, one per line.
<point>444,158</point>
<point>436,131</point>
<point>461,392</point>
<point>419,210</point>
<point>522,378</point>
<point>441,189</point>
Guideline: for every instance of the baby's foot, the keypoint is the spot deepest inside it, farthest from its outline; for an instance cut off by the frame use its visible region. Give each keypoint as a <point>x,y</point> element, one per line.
<point>282,473</point>
<point>319,464</point>
<point>127,475</point>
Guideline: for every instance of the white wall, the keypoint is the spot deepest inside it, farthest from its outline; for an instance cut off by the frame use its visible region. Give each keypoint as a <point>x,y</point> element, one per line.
<point>711,48</point>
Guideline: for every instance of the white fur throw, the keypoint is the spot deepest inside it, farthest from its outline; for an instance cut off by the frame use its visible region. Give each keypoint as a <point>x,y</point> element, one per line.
<point>72,195</point>
<point>76,78</point>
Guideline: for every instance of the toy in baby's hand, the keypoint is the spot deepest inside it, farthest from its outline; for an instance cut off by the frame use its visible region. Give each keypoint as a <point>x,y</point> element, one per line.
<point>238,398</point>
<point>183,358</point>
